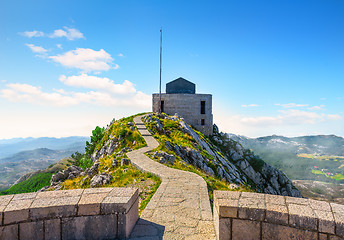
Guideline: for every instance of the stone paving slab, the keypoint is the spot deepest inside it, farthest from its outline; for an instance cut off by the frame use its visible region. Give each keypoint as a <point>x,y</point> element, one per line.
<point>180,208</point>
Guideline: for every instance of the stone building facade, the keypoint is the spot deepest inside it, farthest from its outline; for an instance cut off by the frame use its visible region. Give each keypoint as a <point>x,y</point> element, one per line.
<point>181,98</point>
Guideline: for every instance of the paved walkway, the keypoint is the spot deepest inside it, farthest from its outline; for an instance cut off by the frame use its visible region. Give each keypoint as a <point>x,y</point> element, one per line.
<point>180,208</point>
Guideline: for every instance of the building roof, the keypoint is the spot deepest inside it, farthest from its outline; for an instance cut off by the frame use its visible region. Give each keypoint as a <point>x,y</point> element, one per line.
<point>181,85</point>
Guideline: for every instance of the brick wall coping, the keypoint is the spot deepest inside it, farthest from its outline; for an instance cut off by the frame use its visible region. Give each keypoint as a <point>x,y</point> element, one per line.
<point>246,215</point>
<point>68,208</point>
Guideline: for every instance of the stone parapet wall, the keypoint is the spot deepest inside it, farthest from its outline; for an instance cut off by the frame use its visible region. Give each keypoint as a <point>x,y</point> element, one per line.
<point>96,213</point>
<point>244,215</point>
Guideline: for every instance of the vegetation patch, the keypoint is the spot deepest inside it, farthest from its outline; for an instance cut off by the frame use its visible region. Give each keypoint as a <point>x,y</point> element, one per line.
<point>169,132</point>
<point>32,184</point>
<point>125,134</point>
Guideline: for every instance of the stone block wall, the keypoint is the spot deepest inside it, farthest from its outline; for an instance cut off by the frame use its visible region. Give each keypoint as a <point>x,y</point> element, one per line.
<point>244,215</point>
<point>96,213</point>
<point>188,106</point>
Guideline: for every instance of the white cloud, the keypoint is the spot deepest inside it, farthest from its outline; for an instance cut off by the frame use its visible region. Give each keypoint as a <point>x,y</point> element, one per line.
<point>85,59</point>
<point>289,117</point>
<point>27,93</point>
<point>94,82</point>
<point>120,55</point>
<point>316,108</point>
<point>69,33</point>
<point>334,117</point>
<point>59,46</point>
<point>36,49</point>
<point>291,105</point>
<point>32,34</point>
<point>250,105</point>
<point>128,97</point>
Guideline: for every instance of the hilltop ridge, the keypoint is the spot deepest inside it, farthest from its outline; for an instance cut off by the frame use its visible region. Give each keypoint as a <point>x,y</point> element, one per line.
<point>222,162</point>
<point>218,156</point>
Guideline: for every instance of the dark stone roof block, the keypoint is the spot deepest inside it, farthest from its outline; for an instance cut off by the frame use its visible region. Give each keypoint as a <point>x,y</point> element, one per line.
<point>181,85</point>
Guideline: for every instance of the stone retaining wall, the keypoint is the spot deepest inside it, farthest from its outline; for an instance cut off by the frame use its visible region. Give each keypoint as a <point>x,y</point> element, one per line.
<point>243,215</point>
<point>96,213</point>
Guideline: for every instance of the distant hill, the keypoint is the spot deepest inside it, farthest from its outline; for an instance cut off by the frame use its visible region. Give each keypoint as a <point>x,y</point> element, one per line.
<point>42,153</point>
<point>9,147</point>
<point>34,181</point>
<point>318,158</point>
<point>317,144</point>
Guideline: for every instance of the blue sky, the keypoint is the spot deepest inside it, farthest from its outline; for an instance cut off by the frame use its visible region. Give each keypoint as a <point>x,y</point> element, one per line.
<point>273,67</point>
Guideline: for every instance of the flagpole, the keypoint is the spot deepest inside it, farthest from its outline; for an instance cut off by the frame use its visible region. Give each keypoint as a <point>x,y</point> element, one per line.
<point>160,70</point>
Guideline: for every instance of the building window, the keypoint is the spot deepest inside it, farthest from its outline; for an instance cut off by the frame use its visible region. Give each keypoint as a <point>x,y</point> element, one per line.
<point>202,122</point>
<point>202,107</point>
<point>162,106</point>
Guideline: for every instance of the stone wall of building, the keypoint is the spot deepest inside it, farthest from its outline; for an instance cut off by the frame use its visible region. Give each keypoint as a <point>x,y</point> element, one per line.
<point>246,215</point>
<point>96,213</point>
<point>188,106</point>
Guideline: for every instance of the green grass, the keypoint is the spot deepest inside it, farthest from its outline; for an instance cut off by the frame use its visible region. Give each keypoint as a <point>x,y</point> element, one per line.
<point>172,133</point>
<point>122,176</point>
<point>32,184</point>
<point>337,177</point>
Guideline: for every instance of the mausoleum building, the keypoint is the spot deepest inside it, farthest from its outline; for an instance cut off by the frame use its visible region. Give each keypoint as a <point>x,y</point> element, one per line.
<point>181,98</point>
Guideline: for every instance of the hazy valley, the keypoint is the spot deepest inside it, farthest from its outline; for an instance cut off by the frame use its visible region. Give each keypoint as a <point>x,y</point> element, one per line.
<point>38,154</point>
<point>314,163</point>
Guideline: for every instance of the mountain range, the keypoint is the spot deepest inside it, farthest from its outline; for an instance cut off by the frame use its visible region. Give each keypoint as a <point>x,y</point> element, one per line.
<point>314,163</point>
<point>39,153</point>
<point>8,147</point>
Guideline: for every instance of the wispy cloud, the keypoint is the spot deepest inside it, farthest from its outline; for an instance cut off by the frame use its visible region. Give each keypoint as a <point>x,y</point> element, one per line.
<point>94,82</point>
<point>250,105</point>
<point>290,117</point>
<point>32,94</point>
<point>291,105</point>
<point>317,108</point>
<point>334,117</point>
<point>32,34</point>
<point>120,55</point>
<point>86,59</point>
<point>69,33</point>
<point>36,49</point>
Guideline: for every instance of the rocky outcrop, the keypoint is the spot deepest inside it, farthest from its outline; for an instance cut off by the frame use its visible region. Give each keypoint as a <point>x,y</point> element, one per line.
<point>70,173</point>
<point>100,180</point>
<point>265,177</point>
<point>223,157</point>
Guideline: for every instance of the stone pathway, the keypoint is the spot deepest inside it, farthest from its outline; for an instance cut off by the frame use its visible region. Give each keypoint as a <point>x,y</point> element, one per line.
<point>180,208</point>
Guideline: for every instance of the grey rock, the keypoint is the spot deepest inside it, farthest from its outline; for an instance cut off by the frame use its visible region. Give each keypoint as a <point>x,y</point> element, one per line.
<point>159,125</point>
<point>58,177</point>
<point>208,170</point>
<point>124,150</point>
<point>100,180</point>
<point>162,160</point>
<point>93,170</point>
<point>125,161</point>
<point>43,189</point>
<point>69,173</point>
<point>168,157</point>
<point>115,163</point>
